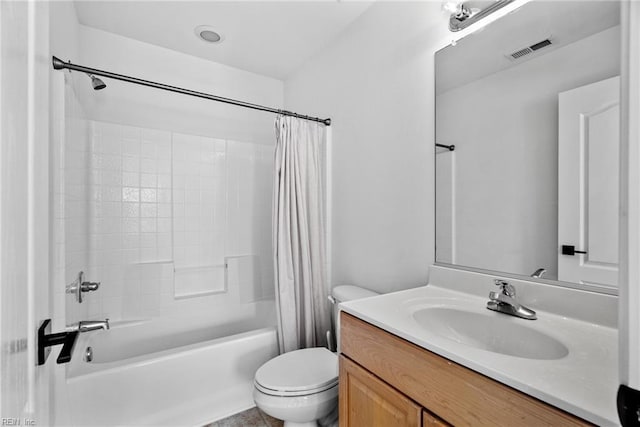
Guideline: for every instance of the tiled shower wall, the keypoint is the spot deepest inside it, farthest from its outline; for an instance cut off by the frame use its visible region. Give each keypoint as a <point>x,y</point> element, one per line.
<point>71,198</point>
<point>173,223</point>
<point>199,214</point>
<point>130,219</point>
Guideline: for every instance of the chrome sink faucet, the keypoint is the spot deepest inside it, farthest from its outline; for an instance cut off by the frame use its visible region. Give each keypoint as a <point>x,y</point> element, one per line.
<point>90,325</point>
<point>539,273</point>
<point>504,301</point>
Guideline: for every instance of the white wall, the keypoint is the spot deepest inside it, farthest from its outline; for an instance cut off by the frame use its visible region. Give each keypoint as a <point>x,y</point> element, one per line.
<point>376,83</point>
<point>506,180</point>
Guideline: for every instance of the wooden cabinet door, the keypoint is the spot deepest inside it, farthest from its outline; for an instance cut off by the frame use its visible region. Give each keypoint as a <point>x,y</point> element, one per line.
<point>367,401</point>
<point>430,420</point>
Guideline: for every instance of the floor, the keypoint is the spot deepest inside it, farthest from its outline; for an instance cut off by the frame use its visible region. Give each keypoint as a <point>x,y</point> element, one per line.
<point>253,417</point>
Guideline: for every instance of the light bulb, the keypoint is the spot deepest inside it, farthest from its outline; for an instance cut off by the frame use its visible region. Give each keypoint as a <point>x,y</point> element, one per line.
<point>452,6</point>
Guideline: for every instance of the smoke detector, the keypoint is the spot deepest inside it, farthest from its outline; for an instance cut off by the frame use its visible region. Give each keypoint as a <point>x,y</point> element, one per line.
<point>207,34</point>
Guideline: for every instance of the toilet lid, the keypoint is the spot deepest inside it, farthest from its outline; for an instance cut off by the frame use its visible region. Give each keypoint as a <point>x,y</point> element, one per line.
<point>309,369</point>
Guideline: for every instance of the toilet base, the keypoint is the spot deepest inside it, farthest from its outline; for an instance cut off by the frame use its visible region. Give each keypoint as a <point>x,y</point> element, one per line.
<point>300,411</point>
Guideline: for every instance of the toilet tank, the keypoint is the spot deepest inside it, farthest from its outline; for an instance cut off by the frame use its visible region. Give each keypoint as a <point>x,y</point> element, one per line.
<point>343,293</point>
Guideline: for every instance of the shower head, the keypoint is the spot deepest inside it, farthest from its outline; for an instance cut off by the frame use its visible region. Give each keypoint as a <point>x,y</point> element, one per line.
<point>96,82</point>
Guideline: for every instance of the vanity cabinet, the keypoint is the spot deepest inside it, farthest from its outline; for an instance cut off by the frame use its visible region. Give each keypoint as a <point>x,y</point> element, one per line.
<point>387,381</point>
<point>367,401</point>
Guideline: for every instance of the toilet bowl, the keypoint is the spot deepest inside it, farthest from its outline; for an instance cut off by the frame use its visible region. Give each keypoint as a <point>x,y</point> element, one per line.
<point>301,387</point>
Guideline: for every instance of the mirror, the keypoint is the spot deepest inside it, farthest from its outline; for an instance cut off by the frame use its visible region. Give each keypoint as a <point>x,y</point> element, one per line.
<point>530,106</point>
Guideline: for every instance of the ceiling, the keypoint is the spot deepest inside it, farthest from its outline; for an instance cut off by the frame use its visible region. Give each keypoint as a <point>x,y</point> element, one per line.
<point>271,38</point>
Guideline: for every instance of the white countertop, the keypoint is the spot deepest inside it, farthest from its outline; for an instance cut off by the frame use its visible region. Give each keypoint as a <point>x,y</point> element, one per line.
<point>583,383</point>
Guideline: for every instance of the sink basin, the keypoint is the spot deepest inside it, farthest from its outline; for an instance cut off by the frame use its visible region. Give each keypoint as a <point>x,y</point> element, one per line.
<point>496,333</point>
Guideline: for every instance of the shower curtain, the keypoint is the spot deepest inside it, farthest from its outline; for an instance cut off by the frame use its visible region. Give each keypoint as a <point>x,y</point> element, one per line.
<point>299,240</point>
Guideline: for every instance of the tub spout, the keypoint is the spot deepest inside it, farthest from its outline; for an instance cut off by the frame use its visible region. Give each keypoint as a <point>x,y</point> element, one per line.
<point>91,325</point>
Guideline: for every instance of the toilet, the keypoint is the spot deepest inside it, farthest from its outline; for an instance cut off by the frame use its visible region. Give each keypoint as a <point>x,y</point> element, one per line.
<point>301,387</point>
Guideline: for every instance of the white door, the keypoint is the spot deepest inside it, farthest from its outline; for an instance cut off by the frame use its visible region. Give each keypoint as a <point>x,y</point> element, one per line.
<point>629,297</point>
<point>588,199</point>
<point>24,211</point>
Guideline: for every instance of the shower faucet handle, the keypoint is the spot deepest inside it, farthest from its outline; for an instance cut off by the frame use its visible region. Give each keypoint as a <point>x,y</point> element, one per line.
<point>79,286</point>
<point>89,286</point>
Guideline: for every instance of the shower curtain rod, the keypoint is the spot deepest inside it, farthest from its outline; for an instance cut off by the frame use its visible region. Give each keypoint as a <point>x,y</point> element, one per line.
<point>58,64</point>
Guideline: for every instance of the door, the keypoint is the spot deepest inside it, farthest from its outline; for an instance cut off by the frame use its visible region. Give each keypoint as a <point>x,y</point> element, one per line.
<point>24,210</point>
<point>588,199</point>
<point>367,401</point>
<point>629,296</point>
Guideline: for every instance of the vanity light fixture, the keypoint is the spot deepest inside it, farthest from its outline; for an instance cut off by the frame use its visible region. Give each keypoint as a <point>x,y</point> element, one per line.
<point>457,9</point>
<point>462,16</point>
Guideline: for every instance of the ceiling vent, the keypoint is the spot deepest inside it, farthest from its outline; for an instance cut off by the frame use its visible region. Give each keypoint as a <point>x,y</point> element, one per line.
<point>529,49</point>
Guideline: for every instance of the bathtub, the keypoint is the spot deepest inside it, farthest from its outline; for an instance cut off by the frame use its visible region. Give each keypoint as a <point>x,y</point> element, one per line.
<point>162,372</point>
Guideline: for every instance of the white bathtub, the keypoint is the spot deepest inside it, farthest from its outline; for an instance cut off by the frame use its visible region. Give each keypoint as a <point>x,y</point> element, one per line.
<point>160,373</point>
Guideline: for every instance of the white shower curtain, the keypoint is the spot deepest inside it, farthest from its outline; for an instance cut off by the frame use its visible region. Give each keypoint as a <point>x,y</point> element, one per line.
<point>299,240</point>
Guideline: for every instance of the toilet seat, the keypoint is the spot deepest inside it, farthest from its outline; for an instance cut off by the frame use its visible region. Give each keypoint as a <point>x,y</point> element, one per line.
<point>284,393</point>
<point>298,373</point>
